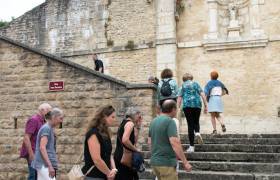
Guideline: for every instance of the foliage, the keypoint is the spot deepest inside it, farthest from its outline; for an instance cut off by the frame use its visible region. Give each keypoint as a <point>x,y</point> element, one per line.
<point>3,23</point>
<point>180,6</point>
<point>110,42</point>
<point>130,45</point>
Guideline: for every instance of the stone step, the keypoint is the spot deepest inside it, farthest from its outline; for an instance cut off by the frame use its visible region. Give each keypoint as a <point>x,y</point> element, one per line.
<point>248,141</point>
<point>229,148</point>
<point>228,156</point>
<point>212,175</point>
<point>243,167</point>
<point>210,136</point>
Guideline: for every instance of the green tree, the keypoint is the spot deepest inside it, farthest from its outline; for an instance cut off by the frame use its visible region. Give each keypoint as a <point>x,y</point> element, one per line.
<point>3,23</point>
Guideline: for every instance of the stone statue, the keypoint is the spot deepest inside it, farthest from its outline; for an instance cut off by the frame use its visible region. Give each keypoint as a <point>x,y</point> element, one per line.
<point>232,11</point>
<point>234,27</point>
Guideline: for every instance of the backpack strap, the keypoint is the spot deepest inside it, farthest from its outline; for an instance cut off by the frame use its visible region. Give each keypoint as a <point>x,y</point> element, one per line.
<point>166,81</point>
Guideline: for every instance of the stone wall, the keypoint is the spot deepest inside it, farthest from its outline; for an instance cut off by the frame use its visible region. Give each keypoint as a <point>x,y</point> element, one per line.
<point>59,26</point>
<point>252,77</point>
<point>131,20</point>
<point>24,76</point>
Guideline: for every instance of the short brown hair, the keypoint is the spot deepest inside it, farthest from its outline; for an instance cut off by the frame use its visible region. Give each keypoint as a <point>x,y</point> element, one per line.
<point>166,73</point>
<point>214,75</point>
<point>187,76</point>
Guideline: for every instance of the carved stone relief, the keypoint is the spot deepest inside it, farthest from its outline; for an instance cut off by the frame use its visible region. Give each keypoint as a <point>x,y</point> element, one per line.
<point>233,22</point>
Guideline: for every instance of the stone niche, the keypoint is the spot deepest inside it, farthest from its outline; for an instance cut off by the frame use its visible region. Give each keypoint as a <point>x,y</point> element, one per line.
<point>234,24</point>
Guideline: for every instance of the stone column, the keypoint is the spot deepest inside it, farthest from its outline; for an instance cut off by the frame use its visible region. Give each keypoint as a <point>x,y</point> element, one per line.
<point>255,19</point>
<point>166,47</point>
<point>213,19</point>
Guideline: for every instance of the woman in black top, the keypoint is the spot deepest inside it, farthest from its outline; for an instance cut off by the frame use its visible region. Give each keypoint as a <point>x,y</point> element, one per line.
<point>127,137</point>
<point>98,146</point>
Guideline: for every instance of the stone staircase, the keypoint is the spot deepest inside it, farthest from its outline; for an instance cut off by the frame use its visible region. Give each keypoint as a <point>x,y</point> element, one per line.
<point>229,157</point>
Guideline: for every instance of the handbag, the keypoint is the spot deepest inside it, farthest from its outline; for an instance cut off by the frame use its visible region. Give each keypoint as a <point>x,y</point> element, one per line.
<point>76,171</point>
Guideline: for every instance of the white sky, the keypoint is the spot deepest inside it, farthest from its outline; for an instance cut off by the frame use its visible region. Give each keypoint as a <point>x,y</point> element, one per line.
<point>15,8</point>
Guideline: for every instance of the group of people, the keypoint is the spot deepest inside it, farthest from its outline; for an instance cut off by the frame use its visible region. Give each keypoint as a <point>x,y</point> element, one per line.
<point>39,144</point>
<point>190,97</point>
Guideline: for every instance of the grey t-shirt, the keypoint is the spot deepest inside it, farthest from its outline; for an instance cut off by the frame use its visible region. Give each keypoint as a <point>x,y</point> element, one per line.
<point>38,162</point>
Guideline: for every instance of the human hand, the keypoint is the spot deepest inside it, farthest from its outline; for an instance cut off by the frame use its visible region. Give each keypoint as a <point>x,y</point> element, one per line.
<point>205,109</point>
<point>51,171</point>
<point>112,174</point>
<point>30,157</point>
<point>187,167</point>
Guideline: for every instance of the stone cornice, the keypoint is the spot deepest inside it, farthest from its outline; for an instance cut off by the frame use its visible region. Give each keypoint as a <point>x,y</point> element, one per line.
<point>245,43</point>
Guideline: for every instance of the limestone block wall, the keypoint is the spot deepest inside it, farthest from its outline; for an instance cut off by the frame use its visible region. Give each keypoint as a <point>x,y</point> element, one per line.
<point>270,18</point>
<point>132,66</point>
<point>24,76</point>
<point>193,22</point>
<point>59,26</point>
<point>251,74</point>
<point>131,21</point>
<point>252,77</point>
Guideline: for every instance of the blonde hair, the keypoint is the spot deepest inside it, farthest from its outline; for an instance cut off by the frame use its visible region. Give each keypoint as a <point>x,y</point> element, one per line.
<point>187,76</point>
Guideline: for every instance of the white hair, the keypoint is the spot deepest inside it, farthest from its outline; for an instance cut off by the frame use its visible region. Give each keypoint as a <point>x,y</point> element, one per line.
<point>44,106</point>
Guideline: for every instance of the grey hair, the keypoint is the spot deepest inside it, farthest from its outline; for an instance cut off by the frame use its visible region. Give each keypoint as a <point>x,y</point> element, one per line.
<point>54,113</point>
<point>44,106</point>
<point>132,112</point>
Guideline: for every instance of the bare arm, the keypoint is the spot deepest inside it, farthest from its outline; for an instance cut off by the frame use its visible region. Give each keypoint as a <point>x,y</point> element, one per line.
<point>179,101</point>
<point>125,139</point>
<point>150,142</point>
<point>100,69</point>
<point>43,150</point>
<point>94,149</point>
<point>27,144</point>
<point>202,94</point>
<point>177,147</point>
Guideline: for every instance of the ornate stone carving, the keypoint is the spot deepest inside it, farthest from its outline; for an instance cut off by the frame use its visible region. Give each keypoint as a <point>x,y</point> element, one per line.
<point>234,24</point>
<point>234,27</point>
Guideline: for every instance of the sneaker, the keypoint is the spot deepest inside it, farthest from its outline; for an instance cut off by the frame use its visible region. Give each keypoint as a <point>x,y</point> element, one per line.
<point>190,149</point>
<point>214,132</point>
<point>224,128</point>
<point>199,138</point>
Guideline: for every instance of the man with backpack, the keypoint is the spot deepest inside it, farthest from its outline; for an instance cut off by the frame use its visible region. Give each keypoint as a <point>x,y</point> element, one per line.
<point>167,87</point>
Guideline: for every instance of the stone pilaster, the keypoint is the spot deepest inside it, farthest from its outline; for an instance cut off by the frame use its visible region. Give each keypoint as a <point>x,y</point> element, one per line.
<point>213,19</point>
<point>166,47</point>
<point>255,18</point>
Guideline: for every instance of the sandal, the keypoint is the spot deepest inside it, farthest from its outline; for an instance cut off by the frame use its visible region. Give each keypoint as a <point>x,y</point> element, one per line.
<point>224,128</point>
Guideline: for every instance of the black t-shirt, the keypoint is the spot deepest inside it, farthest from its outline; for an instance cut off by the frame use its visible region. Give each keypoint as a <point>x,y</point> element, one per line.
<point>98,65</point>
<point>119,146</point>
<point>105,153</point>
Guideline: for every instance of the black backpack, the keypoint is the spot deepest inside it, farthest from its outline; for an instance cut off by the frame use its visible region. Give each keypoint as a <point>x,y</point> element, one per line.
<point>165,89</point>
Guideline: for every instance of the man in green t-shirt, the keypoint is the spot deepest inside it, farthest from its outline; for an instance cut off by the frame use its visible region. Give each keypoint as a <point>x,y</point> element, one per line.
<point>166,144</point>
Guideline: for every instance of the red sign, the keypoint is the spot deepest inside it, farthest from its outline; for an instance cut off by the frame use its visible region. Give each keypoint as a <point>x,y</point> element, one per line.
<point>56,86</point>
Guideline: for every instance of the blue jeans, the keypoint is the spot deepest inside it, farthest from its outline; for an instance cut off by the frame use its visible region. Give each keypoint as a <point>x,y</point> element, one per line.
<point>32,173</point>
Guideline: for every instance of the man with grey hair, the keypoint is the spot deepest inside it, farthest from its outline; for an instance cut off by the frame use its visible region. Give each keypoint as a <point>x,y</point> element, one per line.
<point>32,127</point>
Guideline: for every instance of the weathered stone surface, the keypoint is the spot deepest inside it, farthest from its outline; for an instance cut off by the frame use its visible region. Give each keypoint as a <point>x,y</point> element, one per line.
<point>84,92</point>
<point>230,161</point>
